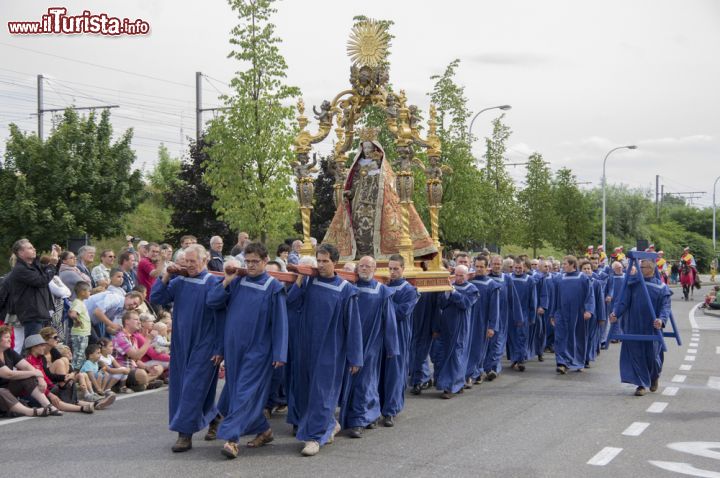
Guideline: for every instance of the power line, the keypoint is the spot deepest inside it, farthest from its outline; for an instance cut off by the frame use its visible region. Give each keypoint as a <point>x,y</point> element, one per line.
<point>111,68</point>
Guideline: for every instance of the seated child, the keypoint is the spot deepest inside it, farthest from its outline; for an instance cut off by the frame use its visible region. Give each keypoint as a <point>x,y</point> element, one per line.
<point>99,379</point>
<point>160,341</point>
<point>118,374</point>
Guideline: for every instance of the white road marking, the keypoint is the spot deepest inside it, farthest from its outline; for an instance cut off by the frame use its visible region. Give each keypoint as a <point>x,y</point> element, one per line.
<point>117,397</point>
<point>604,456</point>
<point>693,322</point>
<point>686,367</point>
<point>692,351</point>
<point>635,429</point>
<point>657,407</point>
<point>684,468</point>
<point>704,449</point>
<point>670,391</point>
<point>690,358</point>
<point>714,382</point>
<point>679,378</point>
<point>717,350</point>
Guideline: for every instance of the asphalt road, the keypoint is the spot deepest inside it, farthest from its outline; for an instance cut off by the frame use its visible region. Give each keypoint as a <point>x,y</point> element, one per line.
<point>529,424</point>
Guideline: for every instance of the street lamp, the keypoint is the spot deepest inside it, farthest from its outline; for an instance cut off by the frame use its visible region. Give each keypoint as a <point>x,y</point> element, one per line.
<point>501,107</point>
<point>714,226</point>
<point>632,146</point>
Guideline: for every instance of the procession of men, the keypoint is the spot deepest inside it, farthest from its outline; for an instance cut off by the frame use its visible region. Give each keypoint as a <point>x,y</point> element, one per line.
<point>343,353</point>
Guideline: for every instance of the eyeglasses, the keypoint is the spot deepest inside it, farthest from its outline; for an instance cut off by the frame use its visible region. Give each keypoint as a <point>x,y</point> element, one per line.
<point>55,337</point>
<point>252,262</point>
<point>111,257</point>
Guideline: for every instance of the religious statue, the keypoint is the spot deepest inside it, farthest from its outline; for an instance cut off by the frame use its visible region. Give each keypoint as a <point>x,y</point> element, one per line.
<point>369,220</point>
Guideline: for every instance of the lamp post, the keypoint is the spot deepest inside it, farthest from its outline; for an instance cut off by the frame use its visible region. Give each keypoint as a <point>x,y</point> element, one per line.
<point>714,206</point>
<point>501,107</point>
<point>632,146</point>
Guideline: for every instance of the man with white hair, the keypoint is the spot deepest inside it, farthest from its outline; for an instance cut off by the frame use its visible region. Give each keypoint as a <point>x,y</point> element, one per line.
<point>361,409</point>
<point>196,348</point>
<point>217,262</point>
<point>454,328</point>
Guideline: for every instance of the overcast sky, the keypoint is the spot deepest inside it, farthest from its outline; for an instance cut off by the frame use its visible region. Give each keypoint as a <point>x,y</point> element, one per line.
<point>582,77</point>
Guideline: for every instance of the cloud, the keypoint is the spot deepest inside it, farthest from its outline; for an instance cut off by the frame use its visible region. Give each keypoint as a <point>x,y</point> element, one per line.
<point>510,58</point>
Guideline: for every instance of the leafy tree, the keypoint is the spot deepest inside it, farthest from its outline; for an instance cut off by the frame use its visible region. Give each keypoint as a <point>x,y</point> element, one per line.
<point>151,220</point>
<point>76,182</point>
<point>249,171</point>
<point>324,206</point>
<point>461,222</point>
<point>572,210</point>
<point>192,202</point>
<point>536,204</point>
<point>166,175</point>
<point>497,195</point>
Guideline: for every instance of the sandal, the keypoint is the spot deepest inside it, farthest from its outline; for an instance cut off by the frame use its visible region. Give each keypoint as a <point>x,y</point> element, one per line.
<point>40,412</point>
<point>87,409</point>
<point>261,439</point>
<point>52,411</point>
<point>230,450</point>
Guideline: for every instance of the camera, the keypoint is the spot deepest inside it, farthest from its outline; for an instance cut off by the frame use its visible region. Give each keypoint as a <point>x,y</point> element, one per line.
<point>133,239</point>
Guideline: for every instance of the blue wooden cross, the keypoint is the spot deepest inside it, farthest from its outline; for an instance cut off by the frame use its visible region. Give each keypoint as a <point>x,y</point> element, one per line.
<point>635,257</point>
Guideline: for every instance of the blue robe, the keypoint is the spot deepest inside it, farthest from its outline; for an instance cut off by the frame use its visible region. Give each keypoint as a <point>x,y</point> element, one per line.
<point>425,309</point>
<point>641,362</point>
<point>197,336</point>
<point>485,315</point>
<point>519,323</point>
<point>330,340</point>
<point>496,347</point>
<point>596,324</point>
<point>255,337</point>
<point>454,328</point>
<point>615,286</point>
<point>551,286</point>
<point>537,330</point>
<point>394,371</point>
<point>574,297</point>
<point>361,404</point>
<point>294,314</point>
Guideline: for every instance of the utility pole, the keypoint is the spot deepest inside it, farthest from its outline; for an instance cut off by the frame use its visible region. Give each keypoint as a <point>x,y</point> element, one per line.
<point>198,106</point>
<point>41,110</point>
<point>657,196</point>
<point>39,106</point>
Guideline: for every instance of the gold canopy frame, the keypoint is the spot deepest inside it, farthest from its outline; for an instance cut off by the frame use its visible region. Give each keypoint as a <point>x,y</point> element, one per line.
<point>369,78</point>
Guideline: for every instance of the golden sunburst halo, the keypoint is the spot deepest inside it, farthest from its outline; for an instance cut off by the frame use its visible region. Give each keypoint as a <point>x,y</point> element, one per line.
<point>368,43</point>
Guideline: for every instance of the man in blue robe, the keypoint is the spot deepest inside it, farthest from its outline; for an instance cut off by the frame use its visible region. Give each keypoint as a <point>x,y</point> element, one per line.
<point>255,343</point>
<point>546,268</point>
<point>196,349</point>
<point>520,321</point>
<point>394,371</point>
<point>537,329</point>
<point>361,404</point>
<point>641,361</point>
<point>593,326</point>
<point>330,341</point>
<point>425,310</point>
<point>496,347</point>
<point>454,330</point>
<point>574,305</point>
<point>615,287</point>
<point>485,320</point>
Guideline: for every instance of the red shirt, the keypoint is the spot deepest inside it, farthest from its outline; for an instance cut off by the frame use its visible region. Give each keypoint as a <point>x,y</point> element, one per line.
<point>145,267</point>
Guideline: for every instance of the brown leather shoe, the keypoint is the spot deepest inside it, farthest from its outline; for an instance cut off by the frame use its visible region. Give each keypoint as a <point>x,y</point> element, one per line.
<point>654,385</point>
<point>213,428</point>
<point>183,443</point>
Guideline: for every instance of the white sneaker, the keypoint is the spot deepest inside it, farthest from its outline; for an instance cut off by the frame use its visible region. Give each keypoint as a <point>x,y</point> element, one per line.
<point>312,448</point>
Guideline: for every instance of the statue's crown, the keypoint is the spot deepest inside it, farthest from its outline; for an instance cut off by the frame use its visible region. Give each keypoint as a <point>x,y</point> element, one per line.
<point>368,134</point>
